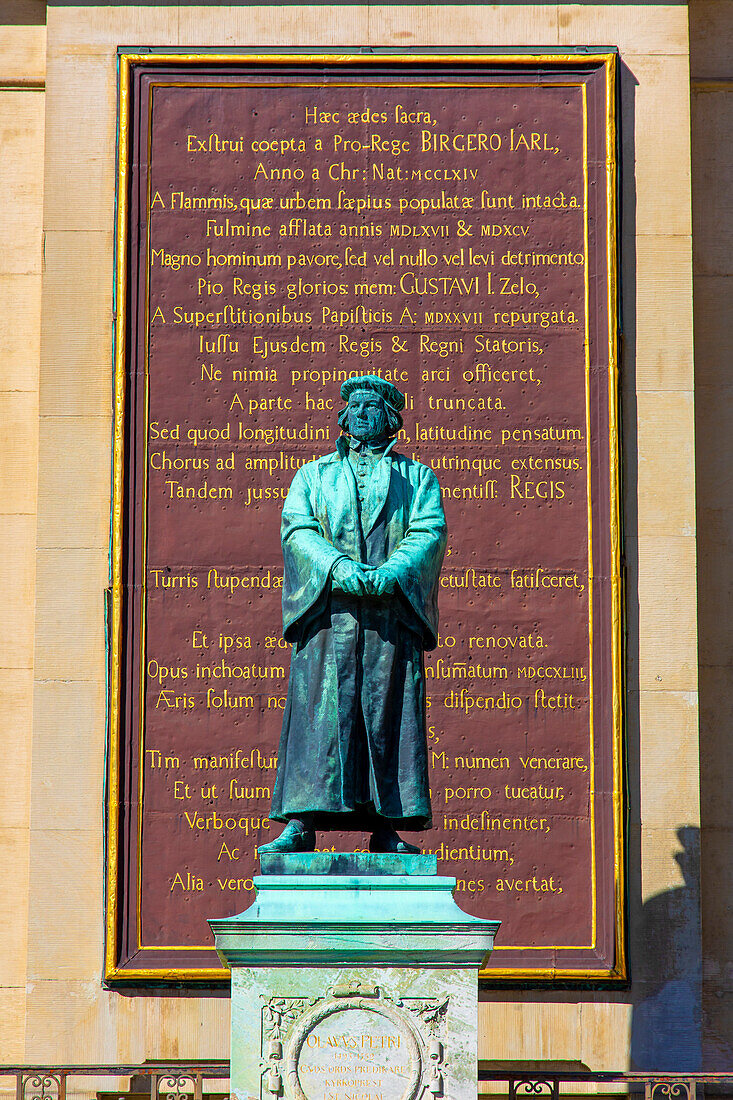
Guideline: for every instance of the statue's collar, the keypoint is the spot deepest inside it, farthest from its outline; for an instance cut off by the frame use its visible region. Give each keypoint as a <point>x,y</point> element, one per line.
<point>346,443</point>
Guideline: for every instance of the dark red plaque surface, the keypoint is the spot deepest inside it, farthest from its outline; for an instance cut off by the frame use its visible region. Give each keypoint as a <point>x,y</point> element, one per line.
<point>449,226</point>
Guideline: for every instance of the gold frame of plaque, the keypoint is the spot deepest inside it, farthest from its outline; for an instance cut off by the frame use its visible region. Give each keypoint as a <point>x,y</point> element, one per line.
<point>132,57</point>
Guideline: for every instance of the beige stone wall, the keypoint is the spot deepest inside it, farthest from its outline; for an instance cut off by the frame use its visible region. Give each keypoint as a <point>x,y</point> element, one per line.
<point>69,1016</point>
<point>22,71</point>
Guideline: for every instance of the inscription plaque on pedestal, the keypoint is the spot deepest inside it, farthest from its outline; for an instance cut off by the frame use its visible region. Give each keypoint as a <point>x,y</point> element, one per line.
<point>448,223</point>
<point>343,1045</point>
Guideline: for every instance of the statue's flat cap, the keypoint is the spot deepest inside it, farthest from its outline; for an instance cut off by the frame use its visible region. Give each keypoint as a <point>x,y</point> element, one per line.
<point>389,393</point>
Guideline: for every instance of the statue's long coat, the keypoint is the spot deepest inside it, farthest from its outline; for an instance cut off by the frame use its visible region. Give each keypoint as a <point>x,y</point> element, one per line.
<point>353,739</point>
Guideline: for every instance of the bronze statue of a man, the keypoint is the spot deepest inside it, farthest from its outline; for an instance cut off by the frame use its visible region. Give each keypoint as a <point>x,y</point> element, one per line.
<point>363,537</point>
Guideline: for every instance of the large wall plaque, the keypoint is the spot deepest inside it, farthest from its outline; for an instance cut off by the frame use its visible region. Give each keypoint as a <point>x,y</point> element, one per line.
<point>284,222</point>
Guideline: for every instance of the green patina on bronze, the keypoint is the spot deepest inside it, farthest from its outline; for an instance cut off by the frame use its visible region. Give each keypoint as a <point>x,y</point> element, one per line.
<point>363,536</point>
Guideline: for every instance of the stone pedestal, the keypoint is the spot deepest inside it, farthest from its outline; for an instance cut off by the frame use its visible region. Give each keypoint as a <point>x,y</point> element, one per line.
<point>354,977</point>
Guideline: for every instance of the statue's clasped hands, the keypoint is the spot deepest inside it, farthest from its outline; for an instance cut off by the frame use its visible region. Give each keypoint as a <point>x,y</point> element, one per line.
<point>355,579</point>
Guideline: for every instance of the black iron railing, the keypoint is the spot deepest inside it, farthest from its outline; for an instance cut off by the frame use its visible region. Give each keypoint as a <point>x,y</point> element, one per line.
<point>184,1080</point>
<point>163,1080</point>
<point>546,1085</point>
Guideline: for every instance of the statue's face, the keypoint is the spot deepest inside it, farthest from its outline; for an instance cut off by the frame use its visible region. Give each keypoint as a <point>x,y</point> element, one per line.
<point>367,416</point>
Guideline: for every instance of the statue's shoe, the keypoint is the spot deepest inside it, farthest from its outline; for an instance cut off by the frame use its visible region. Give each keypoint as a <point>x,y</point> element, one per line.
<point>293,838</point>
<point>383,840</point>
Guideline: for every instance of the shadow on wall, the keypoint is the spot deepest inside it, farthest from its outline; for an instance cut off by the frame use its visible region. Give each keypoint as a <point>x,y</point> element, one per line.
<point>666,1021</point>
<point>711,72</point>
